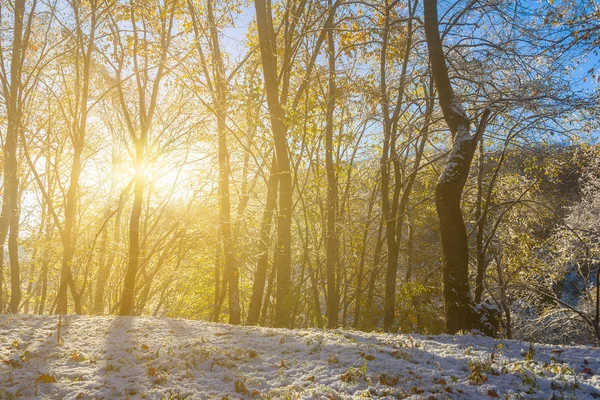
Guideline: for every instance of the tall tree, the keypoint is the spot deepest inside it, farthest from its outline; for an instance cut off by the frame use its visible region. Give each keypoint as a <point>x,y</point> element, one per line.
<point>12,86</point>
<point>262,266</point>
<point>138,18</point>
<point>459,306</point>
<point>395,189</point>
<point>217,84</point>
<point>332,240</point>
<point>283,267</point>
<point>83,48</point>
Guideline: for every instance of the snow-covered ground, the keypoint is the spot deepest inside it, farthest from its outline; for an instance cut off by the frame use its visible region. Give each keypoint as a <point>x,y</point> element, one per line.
<point>138,357</point>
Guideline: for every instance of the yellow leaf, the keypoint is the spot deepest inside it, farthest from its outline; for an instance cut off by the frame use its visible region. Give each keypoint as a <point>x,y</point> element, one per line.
<point>44,378</point>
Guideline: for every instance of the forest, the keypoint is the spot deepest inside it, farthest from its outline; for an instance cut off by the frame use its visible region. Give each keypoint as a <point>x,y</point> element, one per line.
<point>398,166</point>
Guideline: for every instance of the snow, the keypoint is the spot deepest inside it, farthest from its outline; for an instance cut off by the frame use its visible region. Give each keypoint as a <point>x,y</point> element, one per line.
<point>152,358</point>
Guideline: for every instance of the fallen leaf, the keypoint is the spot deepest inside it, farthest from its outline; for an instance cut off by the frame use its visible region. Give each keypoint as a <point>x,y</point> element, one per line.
<point>25,356</point>
<point>492,393</point>
<point>416,390</point>
<point>145,346</point>
<point>388,380</point>
<point>44,378</point>
<point>13,363</point>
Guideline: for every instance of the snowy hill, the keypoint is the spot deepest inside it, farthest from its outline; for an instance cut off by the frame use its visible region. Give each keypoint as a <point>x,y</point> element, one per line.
<point>138,357</point>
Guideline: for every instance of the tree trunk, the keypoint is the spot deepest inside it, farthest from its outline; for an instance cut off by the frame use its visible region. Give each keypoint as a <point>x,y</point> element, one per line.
<point>283,259</point>
<point>9,217</point>
<point>332,241</point>
<point>361,266</point>
<point>262,266</point>
<point>13,254</point>
<point>220,104</point>
<point>459,306</point>
<point>79,125</point>
<point>267,302</point>
<point>134,231</point>
<point>146,108</point>
<point>218,286</point>
<point>104,268</point>
<point>390,204</point>
<point>368,322</point>
<point>67,239</point>
<point>480,223</point>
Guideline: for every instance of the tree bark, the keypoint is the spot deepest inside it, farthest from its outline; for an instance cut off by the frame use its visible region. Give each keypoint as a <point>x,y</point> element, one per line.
<point>368,321</point>
<point>104,268</point>
<point>134,230</point>
<point>480,223</point>
<point>283,259</point>
<point>360,275</point>
<point>262,265</point>
<point>332,241</point>
<point>390,204</point>
<point>220,104</point>
<point>459,306</point>
<point>9,216</point>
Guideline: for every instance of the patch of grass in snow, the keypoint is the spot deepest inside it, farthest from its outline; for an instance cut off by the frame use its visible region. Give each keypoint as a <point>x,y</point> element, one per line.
<point>478,372</point>
<point>354,375</point>
<point>6,395</point>
<point>111,368</point>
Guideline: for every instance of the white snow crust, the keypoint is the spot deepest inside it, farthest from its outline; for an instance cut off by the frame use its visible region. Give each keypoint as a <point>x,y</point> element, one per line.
<point>155,358</point>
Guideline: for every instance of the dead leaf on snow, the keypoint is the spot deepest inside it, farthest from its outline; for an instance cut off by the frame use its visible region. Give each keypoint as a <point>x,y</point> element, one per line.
<point>13,363</point>
<point>45,378</point>
<point>388,380</point>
